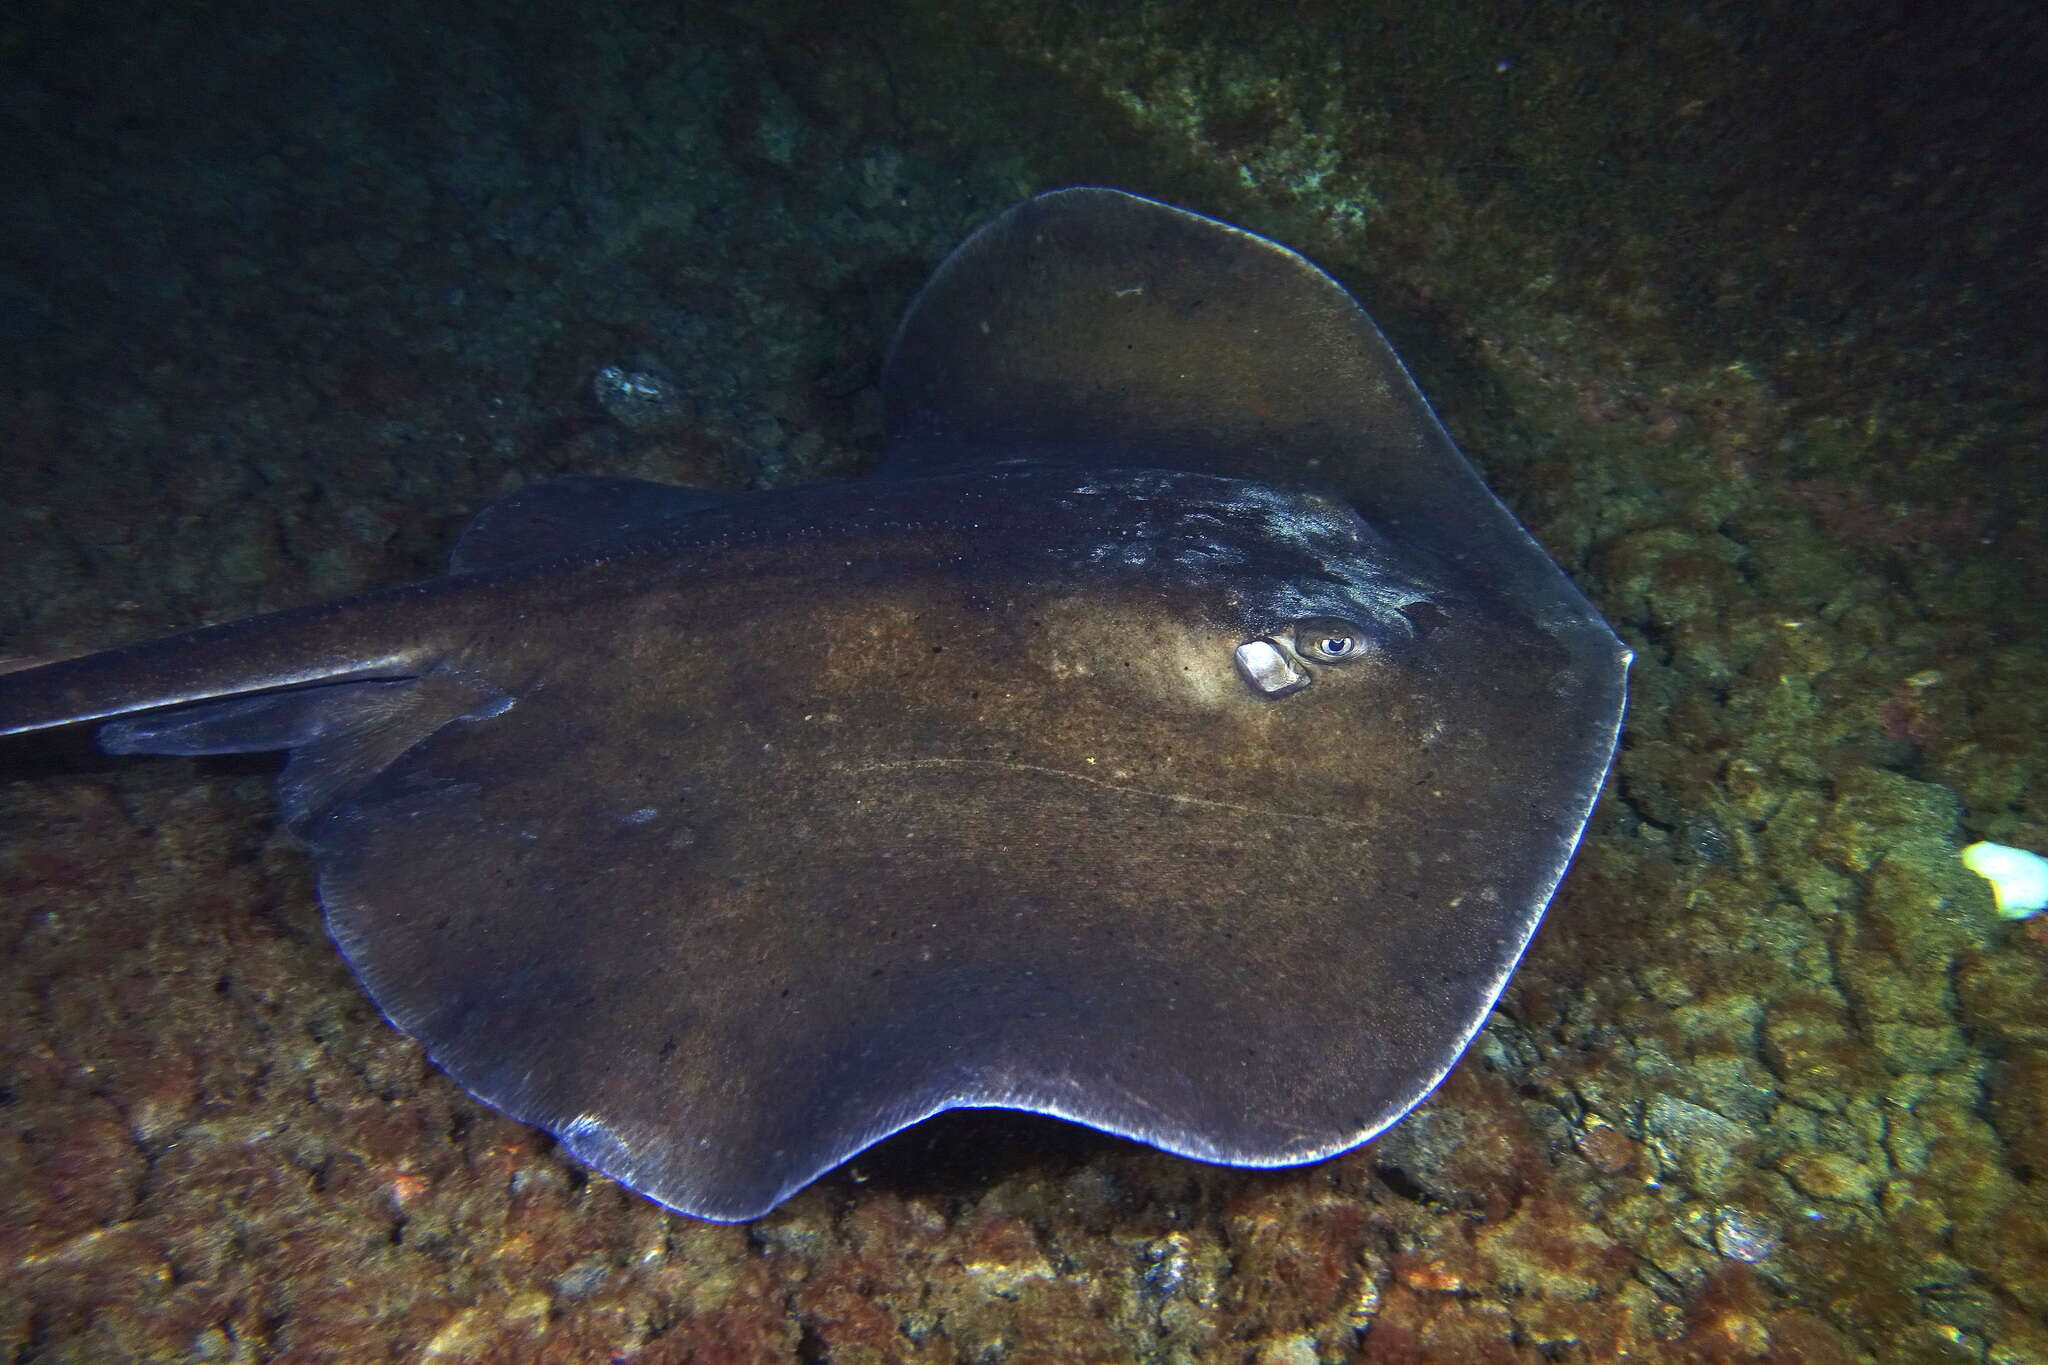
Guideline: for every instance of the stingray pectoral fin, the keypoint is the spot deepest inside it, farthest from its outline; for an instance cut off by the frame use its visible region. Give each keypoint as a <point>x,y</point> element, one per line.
<point>564,514</point>
<point>345,686</point>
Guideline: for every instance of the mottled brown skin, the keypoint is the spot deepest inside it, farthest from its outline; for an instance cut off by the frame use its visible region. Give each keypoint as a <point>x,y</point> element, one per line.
<point>921,838</point>
<point>737,835</point>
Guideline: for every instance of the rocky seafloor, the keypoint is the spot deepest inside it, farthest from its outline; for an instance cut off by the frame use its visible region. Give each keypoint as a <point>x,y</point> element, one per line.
<point>1739,308</point>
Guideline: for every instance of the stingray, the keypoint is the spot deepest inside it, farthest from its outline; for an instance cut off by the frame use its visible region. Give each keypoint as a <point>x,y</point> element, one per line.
<point>1172,735</point>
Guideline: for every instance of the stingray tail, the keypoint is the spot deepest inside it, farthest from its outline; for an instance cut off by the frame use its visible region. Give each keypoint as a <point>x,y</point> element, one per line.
<point>372,636</point>
<point>345,686</point>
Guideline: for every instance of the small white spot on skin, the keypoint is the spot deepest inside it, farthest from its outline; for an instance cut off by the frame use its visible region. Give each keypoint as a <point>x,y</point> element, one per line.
<point>641,816</point>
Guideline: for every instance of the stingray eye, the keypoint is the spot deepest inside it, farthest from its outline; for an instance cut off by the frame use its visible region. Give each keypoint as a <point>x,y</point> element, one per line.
<point>1328,640</point>
<point>1276,664</point>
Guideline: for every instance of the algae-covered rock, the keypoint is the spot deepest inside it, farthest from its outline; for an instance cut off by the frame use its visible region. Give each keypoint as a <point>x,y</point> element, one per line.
<point>1698,1145</point>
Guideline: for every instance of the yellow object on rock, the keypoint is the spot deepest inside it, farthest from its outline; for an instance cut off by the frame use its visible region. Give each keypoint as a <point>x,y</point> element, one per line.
<point>2019,879</point>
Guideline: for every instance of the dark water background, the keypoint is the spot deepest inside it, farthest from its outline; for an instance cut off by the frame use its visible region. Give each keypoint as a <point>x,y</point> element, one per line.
<point>1739,307</point>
